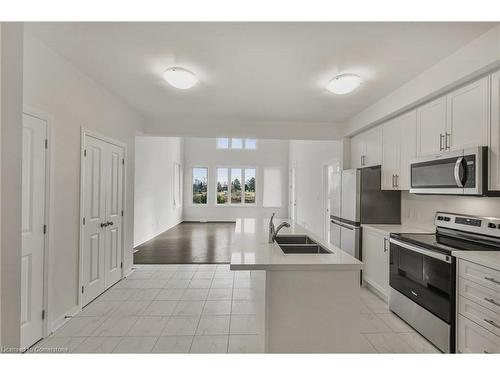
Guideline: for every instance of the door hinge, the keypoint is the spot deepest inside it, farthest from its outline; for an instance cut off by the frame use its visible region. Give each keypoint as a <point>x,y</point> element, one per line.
<point>83,221</point>
<point>83,289</point>
<point>85,152</point>
<point>46,143</point>
<point>44,228</point>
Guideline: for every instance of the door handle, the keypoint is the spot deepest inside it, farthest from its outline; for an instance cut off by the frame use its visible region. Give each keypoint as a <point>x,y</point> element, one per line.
<point>492,323</point>
<point>441,138</point>
<point>456,172</point>
<point>491,300</point>
<point>104,225</point>
<point>385,244</point>
<point>447,144</point>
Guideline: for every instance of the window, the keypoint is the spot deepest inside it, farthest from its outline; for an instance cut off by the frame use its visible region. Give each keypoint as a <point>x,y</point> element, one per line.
<point>222,193</point>
<point>223,143</point>
<point>200,178</point>
<point>272,187</point>
<point>250,144</point>
<point>250,186</point>
<point>242,185</point>
<point>236,143</point>
<point>236,185</point>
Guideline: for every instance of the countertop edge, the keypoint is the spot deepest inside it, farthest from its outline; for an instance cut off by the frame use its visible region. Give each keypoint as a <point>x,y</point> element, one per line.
<point>483,258</point>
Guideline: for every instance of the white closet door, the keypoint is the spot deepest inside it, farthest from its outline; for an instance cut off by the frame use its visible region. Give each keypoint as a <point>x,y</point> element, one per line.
<point>93,257</point>
<point>33,220</point>
<point>114,206</point>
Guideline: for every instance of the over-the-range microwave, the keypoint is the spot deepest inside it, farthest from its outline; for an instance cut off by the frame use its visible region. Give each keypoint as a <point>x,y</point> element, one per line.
<point>461,172</point>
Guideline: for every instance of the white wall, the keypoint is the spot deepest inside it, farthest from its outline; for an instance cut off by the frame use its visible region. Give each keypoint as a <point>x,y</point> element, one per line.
<point>420,209</point>
<point>154,186</point>
<point>201,152</point>
<point>309,158</point>
<point>475,59</point>
<point>72,100</point>
<point>11,95</point>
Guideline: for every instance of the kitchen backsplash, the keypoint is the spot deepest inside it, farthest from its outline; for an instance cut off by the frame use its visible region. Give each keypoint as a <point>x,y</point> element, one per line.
<point>420,209</point>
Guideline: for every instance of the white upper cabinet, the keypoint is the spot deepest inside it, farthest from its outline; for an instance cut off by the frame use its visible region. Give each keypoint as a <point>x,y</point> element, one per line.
<point>468,116</point>
<point>494,157</point>
<point>391,149</point>
<point>399,145</point>
<point>366,148</point>
<point>408,126</point>
<point>431,127</point>
<point>357,150</point>
<point>373,139</point>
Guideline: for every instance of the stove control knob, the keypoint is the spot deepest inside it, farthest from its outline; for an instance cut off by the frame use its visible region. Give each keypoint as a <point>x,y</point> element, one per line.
<point>440,218</point>
<point>492,225</point>
<point>446,218</point>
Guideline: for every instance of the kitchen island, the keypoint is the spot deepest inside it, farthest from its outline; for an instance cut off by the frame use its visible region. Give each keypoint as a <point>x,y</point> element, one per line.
<point>310,302</point>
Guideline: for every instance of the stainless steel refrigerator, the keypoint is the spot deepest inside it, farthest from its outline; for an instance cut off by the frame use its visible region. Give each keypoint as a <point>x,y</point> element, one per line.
<point>359,199</point>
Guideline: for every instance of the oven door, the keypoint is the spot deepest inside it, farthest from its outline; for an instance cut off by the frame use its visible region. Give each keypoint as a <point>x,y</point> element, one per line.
<point>424,276</point>
<point>439,174</point>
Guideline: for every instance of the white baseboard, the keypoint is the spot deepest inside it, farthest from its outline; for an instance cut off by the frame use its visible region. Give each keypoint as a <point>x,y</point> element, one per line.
<point>63,319</point>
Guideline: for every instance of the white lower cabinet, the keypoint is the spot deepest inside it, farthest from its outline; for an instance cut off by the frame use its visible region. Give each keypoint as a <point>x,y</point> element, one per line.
<point>375,256</point>
<point>478,309</point>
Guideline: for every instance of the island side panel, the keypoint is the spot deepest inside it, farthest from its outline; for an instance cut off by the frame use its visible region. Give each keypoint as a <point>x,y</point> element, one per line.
<point>312,312</point>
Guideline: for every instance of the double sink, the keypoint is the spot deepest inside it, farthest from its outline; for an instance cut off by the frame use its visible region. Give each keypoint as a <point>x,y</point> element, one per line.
<point>300,244</point>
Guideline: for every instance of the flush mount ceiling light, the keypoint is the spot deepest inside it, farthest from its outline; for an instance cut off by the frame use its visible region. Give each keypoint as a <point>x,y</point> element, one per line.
<point>180,78</point>
<point>344,83</point>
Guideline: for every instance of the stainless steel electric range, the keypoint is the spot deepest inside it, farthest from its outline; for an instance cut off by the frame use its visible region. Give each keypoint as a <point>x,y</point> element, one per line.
<point>422,272</point>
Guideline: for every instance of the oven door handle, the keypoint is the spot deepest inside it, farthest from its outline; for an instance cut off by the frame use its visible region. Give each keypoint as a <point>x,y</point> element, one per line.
<point>456,172</point>
<point>432,254</point>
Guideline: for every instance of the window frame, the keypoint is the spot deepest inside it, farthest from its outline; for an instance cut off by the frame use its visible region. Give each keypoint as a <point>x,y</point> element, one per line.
<point>229,177</point>
<point>191,186</point>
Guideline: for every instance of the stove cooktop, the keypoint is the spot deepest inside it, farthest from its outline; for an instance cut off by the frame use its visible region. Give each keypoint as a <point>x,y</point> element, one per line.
<point>443,243</point>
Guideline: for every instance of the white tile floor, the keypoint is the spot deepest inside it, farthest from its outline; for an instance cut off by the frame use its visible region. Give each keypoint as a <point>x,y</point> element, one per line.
<point>201,309</point>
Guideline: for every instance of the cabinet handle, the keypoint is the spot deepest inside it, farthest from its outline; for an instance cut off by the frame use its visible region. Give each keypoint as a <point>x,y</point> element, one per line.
<point>393,185</point>
<point>385,244</point>
<point>492,280</point>
<point>492,323</point>
<point>486,352</point>
<point>441,137</point>
<point>397,180</point>
<point>448,138</point>
<point>362,160</point>
<point>491,300</point>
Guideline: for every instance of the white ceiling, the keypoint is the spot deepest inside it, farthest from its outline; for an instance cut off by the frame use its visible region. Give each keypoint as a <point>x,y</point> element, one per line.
<point>253,72</point>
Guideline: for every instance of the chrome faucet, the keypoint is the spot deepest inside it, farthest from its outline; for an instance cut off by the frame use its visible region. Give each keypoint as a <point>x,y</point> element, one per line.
<point>273,232</point>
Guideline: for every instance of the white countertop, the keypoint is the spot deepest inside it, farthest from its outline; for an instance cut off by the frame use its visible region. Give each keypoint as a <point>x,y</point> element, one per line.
<point>489,259</point>
<point>386,229</point>
<point>251,250</point>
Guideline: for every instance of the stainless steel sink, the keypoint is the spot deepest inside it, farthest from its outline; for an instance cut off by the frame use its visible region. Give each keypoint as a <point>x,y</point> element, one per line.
<point>295,239</point>
<point>304,249</point>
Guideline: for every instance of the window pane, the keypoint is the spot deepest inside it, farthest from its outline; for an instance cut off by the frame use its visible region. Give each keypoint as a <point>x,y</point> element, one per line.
<point>250,143</point>
<point>236,185</point>
<point>237,143</point>
<point>200,176</point>
<point>222,142</point>
<point>272,187</point>
<point>250,185</point>
<point>222,194</point>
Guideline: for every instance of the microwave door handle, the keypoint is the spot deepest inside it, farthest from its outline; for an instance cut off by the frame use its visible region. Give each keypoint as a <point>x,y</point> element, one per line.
<point>458,165</point>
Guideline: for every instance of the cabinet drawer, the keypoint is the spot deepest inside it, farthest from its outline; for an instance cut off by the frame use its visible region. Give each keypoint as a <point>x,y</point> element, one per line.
<point>473,338</point>
<point>479,294</point>
<point>480,315</point>
<point>479,274</point>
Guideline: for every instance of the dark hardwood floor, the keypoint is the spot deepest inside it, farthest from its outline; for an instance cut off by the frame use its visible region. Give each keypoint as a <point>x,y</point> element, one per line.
<point>188,243</point>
